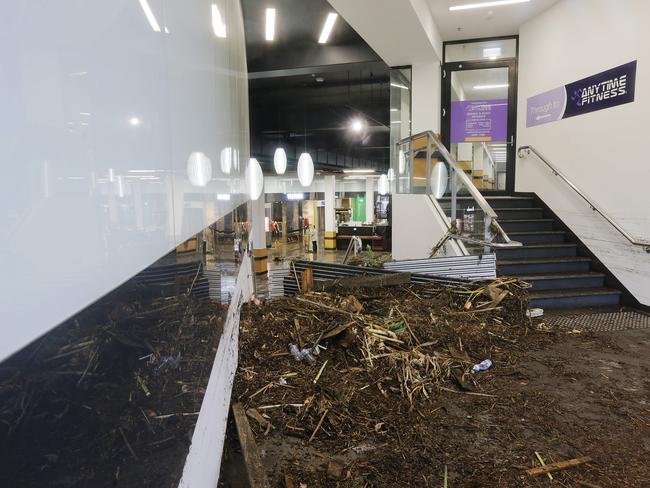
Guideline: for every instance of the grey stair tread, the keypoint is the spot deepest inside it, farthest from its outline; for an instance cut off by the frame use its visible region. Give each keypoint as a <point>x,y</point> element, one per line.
<point>519,209</point>
<point>584,292</point>
<point>543,245</point>
<point>559,259</point>
<point>533,232</point>
<point>495,197</point>
<point>524,220</point>
<point>558,276</point>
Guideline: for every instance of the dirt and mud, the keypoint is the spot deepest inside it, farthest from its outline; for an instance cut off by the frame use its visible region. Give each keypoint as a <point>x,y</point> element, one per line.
<point>390,399</point>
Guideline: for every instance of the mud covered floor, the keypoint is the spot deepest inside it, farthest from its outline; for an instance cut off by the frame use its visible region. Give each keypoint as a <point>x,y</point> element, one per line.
<point>417,411</point>
<point>109,398</point>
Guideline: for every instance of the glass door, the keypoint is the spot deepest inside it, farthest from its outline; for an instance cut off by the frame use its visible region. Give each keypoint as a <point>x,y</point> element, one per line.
<point>479,120</point>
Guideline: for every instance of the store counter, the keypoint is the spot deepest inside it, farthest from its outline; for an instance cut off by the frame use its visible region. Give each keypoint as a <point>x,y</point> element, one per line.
<point>378,236</point>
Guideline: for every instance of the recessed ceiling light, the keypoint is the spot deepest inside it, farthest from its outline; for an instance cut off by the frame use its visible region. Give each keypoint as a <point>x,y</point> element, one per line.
<point>357,125</point>
<point>490,87</point>
<point>327,27</point>
<point>495,3</point>
<point>270,24</point>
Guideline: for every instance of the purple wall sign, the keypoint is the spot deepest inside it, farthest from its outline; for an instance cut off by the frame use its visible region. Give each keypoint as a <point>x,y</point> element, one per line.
<point>479,120</point>
<point>603,90</point>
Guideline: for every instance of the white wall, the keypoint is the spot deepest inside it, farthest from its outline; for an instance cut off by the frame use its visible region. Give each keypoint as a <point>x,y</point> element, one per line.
<point>605,153</point>
<point>418,228</point>
<point>99,116</point>
<point>403,33</point>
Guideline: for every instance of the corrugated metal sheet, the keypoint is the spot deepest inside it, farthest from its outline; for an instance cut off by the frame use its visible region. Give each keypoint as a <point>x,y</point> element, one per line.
<point>329,271</point>
<point>480,267</point>
<point>276,281</point>
<point>166,277</point>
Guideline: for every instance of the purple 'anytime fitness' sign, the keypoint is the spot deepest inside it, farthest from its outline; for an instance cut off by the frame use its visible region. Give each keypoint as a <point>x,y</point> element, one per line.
<point>603,90</point>
<point>479,121</point>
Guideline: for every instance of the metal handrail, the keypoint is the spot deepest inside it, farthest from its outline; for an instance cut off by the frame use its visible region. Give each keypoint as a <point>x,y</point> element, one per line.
<point>490,216</point>
<point>508,244</point>
<point>480,199</point>
<point>526,150</point>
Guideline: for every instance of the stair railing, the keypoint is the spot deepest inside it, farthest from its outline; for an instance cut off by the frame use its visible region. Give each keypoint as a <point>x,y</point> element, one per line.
<point>525,151</point>
<point>424,165</point>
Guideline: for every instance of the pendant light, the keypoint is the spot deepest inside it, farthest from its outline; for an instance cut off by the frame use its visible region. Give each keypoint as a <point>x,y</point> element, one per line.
<point>280,161</point>
<point>226,160</point>
<point>199,169</point>
<point>383,186</point>
<point>402,162</point>
<point>305,169</point>
<point>254,179</point>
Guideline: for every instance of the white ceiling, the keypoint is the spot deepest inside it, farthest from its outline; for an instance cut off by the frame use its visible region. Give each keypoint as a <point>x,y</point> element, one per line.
<point>483,22</point>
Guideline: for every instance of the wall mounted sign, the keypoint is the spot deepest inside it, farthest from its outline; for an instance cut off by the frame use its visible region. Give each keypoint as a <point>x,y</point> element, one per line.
<point>597,92</point>
<point>479,121</point>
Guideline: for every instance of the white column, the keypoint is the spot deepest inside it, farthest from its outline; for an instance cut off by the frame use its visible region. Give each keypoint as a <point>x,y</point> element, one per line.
<point>330,213</point>
<point>370,199</point>
<point>258,235</point>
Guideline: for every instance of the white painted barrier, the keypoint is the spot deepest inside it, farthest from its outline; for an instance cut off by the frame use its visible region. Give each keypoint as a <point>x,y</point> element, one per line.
<point>204,458</point>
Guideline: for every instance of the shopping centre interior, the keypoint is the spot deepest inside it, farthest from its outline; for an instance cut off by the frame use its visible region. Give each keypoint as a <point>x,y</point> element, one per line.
<point>302,243</point>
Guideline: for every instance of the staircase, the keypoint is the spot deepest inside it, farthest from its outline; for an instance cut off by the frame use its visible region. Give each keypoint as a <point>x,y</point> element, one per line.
<point>559,276</point>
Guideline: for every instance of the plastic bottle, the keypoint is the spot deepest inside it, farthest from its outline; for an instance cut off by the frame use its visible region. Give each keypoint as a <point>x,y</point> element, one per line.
<point>482,366</point>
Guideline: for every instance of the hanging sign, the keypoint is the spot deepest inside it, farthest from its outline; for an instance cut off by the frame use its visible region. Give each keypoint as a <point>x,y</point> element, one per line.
<point>597,92</point>
<point>479,121</point>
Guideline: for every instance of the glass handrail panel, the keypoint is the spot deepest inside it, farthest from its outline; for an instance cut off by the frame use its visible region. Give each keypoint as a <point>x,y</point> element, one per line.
<point>425,166</point>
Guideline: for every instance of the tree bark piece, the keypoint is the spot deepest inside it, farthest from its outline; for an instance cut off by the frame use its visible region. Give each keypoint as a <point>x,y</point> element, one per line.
<point>367,281</point>
<point>254,469</point>
<point>549,468</point>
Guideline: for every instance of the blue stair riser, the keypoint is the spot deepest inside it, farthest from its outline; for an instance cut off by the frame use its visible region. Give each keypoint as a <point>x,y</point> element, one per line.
<point>533,268</point>
<point>533,213</point>
<point>567,283</point>
<point>526,225</point>
<point>536,252</point>
<point>549,303</point>
<point>554,238</point>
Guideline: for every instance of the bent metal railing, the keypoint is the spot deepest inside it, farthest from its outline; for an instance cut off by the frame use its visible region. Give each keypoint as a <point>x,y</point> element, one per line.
<point>524,151</point>
<point>424,165</point>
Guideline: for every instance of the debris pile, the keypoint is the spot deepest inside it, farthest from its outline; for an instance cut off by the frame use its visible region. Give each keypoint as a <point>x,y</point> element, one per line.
<point>111,397</point>
<point>344,387</point>
<point>370,259</point>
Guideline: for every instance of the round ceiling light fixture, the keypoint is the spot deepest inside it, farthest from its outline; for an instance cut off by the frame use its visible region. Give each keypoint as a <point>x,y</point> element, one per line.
<point>383,186</point>
<point>199,169</point>
<point>357,125</point>
<point>305,169</point>
<point>280,161</point>
<point>254,179</point>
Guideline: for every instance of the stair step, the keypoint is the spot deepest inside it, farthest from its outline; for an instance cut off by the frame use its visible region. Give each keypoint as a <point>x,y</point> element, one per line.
<point>588,297</point>
<point>564,281</point>
<point>514,225</point>
<point>519,267</point>
<point>537,237</point>
<point>498,202</point>
<point>503,202</point>
<point>520,213</point>
<point>534,251</point>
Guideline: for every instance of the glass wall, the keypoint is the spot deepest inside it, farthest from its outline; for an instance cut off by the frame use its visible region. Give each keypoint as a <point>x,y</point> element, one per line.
<point>400,114</point>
